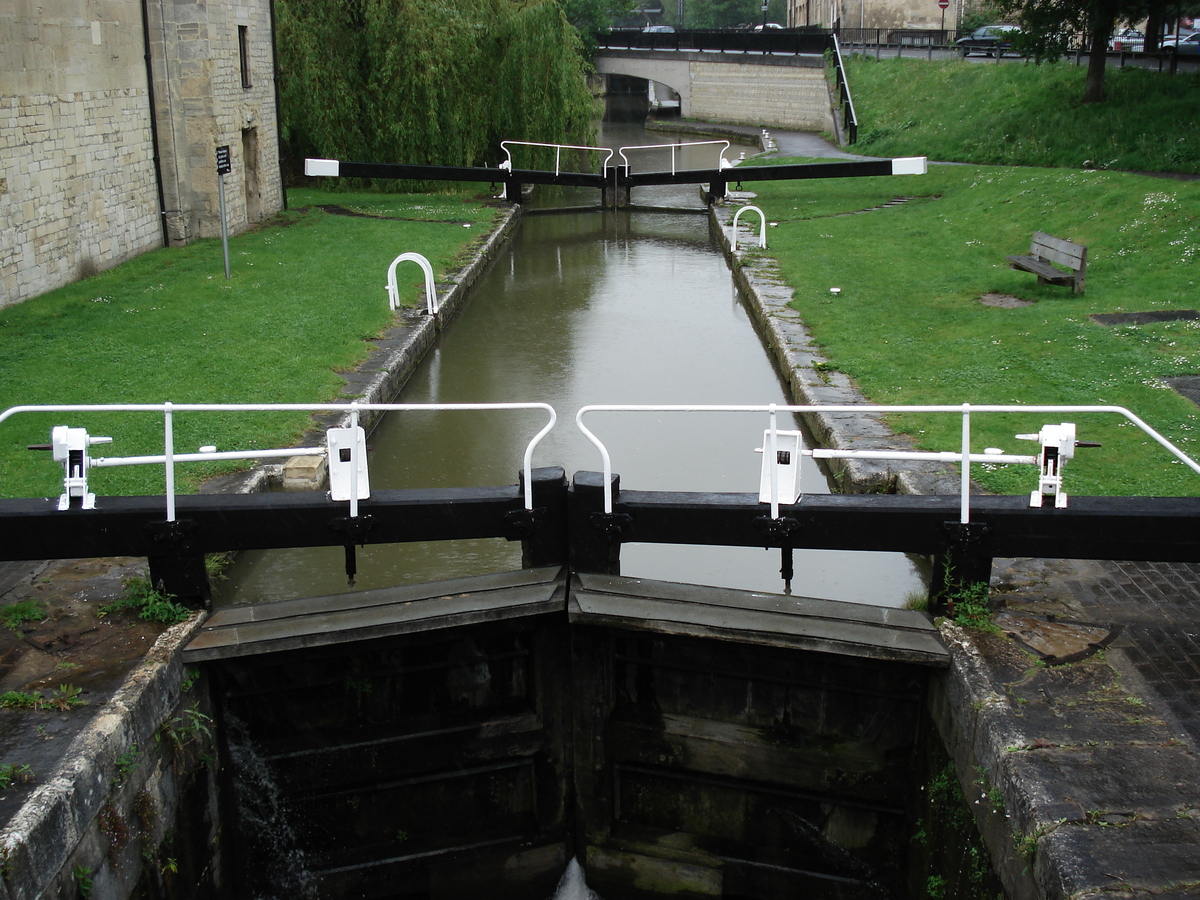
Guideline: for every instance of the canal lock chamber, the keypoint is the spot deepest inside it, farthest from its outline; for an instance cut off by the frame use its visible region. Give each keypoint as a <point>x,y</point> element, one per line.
<point>478,759</point>
<point>475,756</point>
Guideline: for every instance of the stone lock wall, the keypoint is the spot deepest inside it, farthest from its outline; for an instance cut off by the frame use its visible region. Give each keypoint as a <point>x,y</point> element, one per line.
<point>79,189</point>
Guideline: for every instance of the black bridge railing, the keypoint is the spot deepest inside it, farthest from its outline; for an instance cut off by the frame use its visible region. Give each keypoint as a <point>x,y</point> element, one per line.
<point>813,41</point>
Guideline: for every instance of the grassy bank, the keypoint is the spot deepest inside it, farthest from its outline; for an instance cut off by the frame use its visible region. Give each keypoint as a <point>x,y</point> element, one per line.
<point>909,327</point>
<point>306,292</point>
<point>1027,115</point>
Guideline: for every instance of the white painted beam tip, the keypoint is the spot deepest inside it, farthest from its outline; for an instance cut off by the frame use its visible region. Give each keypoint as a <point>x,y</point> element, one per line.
<point>910,165</point>
<point>322,167</point>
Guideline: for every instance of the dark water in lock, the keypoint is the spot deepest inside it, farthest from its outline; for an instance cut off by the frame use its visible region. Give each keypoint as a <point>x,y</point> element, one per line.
<point>619,306</point>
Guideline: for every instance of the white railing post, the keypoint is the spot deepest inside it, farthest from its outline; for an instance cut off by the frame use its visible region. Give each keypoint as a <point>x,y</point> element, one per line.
<point>169,458</point>
<point>353,410</point>
<point>964,514</point>
<point>773,468</point>
<point>354,459</point>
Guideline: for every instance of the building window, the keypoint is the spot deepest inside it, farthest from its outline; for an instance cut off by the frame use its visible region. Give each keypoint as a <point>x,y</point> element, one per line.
<point>244,53</point>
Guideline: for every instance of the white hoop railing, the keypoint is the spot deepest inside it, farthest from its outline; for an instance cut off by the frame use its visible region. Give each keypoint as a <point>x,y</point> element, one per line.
<point>762,227</point>
<point>431,300</point>
<point>169,457</point>
<point>964,456</point>
<point>558,149</point>
<point>722,163</point>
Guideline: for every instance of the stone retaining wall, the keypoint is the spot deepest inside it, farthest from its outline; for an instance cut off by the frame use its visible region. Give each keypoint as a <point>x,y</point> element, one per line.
<point>111,814</point>
<point>790,97</point>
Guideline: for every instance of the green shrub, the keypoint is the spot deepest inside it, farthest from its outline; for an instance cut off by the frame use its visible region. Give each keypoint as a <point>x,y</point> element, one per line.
<point>150,604</point>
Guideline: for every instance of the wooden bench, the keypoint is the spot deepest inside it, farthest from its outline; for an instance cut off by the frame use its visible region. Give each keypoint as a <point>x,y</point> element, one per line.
<point>1045,250</point>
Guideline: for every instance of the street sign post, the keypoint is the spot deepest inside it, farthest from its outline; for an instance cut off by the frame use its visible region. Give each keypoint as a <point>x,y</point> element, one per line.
<point>224,167</point>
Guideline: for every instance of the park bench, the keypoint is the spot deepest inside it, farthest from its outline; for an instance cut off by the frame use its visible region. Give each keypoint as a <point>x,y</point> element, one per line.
<point>1045,250</point>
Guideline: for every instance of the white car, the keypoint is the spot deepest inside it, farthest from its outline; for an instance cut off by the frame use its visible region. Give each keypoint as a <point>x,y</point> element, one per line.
<point>1187,43</point>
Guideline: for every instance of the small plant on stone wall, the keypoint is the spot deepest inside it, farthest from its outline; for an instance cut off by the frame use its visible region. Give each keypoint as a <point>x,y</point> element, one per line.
<point>970,607</point>
<point>149,603</point>
<point>65,697</point>
<point>14,615</point>
<point>14,774</point>
<point>146,812</point>
<point>125,764</point>
<point>184,731</point>
<point>968,603</point>
<point>113,826</point>
<point>83,881</point>
<point>21,700</point>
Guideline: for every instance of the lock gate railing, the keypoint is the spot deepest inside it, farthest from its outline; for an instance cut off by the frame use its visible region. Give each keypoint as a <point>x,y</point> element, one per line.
<point>584,524</point>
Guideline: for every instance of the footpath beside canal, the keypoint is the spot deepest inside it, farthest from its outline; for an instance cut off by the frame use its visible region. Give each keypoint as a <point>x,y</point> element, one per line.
<point>1074,725</point>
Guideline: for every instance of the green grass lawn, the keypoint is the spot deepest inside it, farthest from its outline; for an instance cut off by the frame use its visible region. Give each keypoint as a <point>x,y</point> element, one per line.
<point>1024,114</point>
<point>909,328</point>
<point>306,292</point>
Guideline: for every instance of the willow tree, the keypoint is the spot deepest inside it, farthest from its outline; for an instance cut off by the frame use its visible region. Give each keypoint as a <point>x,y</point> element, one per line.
<point>428,82</point>
<point>321,64</point>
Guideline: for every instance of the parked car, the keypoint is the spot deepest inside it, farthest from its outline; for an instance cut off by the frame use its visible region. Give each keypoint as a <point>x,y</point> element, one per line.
<point>770,26</point>
<point>1186,43</point>
<point>659,29</point>
<point>990,40</point>
<point>1130,40</point>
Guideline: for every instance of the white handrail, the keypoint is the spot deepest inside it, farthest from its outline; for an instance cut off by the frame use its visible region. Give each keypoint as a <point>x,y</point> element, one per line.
<point>169,410</point>
<point>559,148</point>
<point>964,458</point>
<point>762,227</point>
<point>431,301</point>
<point>673,147</point>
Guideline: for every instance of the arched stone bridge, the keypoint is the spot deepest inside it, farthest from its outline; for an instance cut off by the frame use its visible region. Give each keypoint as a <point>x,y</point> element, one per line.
<point>772,90</point>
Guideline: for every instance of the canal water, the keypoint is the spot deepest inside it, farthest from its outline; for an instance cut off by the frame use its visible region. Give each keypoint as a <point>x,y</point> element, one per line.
<point>591,306</point>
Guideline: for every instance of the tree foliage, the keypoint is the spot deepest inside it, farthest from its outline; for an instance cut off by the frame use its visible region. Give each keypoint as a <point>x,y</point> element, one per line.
<point>1049,24</point>
<point>439,82</point>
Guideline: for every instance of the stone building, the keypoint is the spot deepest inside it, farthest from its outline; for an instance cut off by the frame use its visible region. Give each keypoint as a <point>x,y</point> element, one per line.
<point>111,113</point>
<point>888,14</point>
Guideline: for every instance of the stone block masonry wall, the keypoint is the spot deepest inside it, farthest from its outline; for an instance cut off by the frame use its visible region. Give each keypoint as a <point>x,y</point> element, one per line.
<point>787,97</point>
<point>77,184</point>
<point>79,189</point>
<point>205,100</point>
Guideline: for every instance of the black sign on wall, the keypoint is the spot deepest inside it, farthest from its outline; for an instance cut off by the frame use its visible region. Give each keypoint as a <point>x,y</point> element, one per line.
<point>224,165</point>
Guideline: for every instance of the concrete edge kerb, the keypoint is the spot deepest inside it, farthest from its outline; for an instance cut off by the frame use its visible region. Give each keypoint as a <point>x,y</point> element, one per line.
<point>41,838</point>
